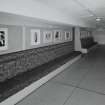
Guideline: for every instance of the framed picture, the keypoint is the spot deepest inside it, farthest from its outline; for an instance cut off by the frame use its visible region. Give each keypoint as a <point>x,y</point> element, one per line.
<point>88,34</point>
<point>47,38</point>
<point>57,36</point>
<point>3,38</point>
<point>68,36</point>
<point>82,34</point>
<point>35,36</point>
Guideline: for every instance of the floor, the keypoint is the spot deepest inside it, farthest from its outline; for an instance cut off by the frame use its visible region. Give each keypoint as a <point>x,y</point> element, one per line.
<point>83,83</point>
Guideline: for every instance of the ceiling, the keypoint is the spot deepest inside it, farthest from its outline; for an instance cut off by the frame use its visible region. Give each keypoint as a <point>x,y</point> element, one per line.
<point>87,10</point>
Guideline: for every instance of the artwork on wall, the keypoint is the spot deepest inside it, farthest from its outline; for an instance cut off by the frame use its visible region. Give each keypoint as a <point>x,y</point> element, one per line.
<point>57,36</point>
<point>83,34</point>
<point>3,38</point>
<point>68,36</point>
<point>35,36</point>
<point>47,38</point>
<point>88,34</point>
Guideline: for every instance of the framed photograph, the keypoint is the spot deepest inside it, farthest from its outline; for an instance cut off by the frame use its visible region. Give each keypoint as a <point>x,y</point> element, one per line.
<point>68,36</point>
<point>35,36</point>
<point>3,38</point>
<point>47,38</point>
<point>57,36</point>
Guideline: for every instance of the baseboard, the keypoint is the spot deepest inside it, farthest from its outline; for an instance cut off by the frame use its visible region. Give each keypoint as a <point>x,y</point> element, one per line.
<point>12,100</point>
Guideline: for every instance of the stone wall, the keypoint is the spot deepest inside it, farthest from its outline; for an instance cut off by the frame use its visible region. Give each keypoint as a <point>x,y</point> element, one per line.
<point>15,63</point>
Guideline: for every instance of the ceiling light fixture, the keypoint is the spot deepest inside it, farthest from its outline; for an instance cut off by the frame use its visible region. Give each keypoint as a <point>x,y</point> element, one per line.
<point>98,19</point>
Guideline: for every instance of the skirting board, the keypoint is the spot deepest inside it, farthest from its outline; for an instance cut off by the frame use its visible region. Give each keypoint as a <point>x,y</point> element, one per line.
<point>12,100</point>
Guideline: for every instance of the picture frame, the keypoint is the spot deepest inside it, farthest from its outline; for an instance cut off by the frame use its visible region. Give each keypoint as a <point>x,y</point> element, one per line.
<point>47,36</point>
<point>3,39</point>
<point>35,37</point>
<point>68,36</point>
<point>57,36</point>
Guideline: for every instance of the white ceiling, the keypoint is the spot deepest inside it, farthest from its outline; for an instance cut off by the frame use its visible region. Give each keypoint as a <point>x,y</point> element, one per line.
<point>87,10</point>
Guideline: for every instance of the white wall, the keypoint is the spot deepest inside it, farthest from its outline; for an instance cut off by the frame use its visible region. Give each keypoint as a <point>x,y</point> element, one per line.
<point>36,9</point>
<point>99,35</point>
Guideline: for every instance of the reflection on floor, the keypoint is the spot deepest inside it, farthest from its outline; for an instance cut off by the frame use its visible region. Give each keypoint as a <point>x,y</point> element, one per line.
<point>83,83</point>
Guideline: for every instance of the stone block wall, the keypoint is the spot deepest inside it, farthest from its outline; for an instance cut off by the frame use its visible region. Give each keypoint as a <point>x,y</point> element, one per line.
<point>15,63</point>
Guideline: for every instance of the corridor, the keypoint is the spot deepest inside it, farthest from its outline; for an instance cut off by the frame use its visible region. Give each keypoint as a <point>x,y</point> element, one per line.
<point>83,83</point>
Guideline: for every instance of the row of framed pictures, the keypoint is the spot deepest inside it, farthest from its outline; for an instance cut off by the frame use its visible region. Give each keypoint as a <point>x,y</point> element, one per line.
<point>48,36</point>
<point>85,34</point>
<point>35,37</point>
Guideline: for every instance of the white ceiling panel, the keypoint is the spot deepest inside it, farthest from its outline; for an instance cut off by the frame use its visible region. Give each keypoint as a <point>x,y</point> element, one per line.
<point>93,3</point>
<point>67,6</point>
<point>87,10</point>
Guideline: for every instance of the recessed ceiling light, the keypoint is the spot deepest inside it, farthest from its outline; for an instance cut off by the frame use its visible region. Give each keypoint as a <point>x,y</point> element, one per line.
<point>98,19</point>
